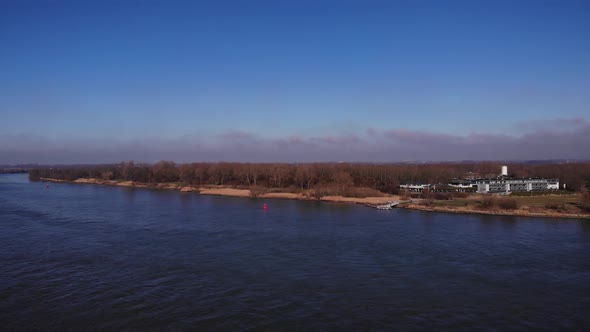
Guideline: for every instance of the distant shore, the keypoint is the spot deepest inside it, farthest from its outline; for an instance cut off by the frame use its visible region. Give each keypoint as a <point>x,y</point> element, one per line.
<point>232,192</point>
<point>414,204</point>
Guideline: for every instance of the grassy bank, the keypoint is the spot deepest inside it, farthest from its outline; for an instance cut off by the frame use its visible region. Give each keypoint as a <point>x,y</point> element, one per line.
<point>549,205</point>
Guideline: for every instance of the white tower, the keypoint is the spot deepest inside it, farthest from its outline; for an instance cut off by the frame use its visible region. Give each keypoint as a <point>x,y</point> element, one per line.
<point>504,171</point>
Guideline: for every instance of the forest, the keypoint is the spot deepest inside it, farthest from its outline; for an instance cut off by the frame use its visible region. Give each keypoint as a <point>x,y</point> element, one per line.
<point>339,177</point>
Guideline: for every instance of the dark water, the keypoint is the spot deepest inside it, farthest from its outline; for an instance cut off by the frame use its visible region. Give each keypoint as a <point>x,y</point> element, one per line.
<point>88,257</point>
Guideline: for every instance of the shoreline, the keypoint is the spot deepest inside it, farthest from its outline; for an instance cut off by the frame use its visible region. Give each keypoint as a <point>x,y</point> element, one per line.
<point>230,192</point>
<point>367,201</point>
<point>505,213</point>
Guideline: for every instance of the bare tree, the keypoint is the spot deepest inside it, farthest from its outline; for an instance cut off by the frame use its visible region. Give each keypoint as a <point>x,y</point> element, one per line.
<point>343,181</point>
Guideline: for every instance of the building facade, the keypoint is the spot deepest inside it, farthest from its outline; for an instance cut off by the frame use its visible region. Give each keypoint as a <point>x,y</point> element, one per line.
<point>415,187</point>
<point>510,185</point>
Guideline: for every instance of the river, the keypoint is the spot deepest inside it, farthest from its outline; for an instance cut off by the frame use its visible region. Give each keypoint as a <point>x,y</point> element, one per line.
<point>86,257</point>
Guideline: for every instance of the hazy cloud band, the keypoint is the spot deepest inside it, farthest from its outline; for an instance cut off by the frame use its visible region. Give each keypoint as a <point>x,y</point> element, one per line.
<point>556,139</point>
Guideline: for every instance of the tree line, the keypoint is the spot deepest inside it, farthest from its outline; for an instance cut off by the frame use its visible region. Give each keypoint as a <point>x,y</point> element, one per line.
<point>338,176</point>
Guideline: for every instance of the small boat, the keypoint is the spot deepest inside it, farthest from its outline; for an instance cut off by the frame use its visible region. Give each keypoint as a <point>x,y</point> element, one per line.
<point>387,206</point>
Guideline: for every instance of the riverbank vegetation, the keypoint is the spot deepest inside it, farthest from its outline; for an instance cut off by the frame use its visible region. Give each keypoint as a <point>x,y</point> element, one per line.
<point>559,205</point>
<point>340,182</point>
<point>336,178</point>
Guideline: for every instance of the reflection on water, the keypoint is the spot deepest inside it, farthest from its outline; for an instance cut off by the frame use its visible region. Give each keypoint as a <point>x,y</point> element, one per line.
<point>585,226</point>
<point>75,256</point>
<point>129,194</point>
<point>509,221</point>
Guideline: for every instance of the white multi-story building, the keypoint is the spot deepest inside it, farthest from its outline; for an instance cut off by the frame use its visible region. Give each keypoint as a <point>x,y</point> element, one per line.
<point>502,183</point>
<point>509,185</point>
<point>505,184</point>
<point>462,184</point>
<point>415,187</point>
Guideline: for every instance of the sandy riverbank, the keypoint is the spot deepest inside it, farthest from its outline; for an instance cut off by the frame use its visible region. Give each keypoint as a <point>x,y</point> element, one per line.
<point>299,196</point>
<point>225,192</point>
<point>361,200</point>
<point>232,192</point>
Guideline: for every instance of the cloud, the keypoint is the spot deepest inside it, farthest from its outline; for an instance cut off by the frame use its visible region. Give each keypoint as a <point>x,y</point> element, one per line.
<point>371,132</point>
<point>237,136</point>
<point>557,139</point>
<point>417,137</point>
<point>557,124</point>
<point>337,139</point>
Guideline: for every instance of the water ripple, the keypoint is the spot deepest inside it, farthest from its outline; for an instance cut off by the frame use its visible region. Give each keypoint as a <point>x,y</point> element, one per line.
<point>94,258</point>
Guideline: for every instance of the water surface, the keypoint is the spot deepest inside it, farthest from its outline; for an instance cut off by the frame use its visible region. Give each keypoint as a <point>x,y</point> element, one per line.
<point>95,257</point>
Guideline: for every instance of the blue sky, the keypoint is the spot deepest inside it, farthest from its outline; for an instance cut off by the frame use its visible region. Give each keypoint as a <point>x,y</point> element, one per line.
<point>103,81</point>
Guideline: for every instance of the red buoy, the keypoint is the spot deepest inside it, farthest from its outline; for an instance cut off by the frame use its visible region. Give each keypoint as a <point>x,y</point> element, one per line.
<point>265,207</point>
